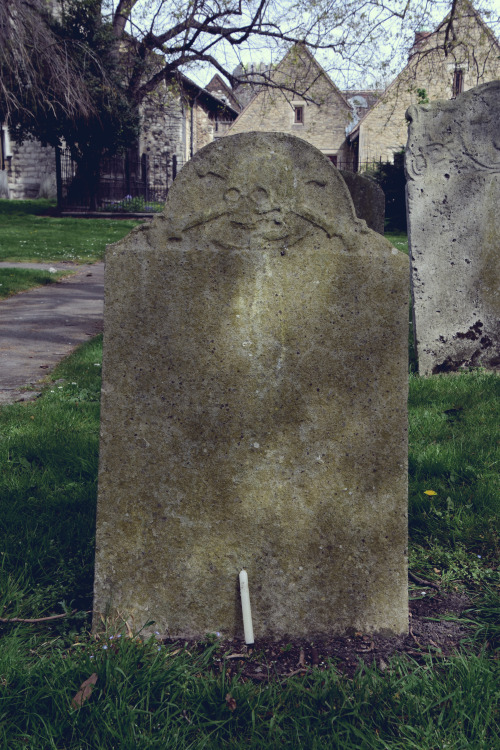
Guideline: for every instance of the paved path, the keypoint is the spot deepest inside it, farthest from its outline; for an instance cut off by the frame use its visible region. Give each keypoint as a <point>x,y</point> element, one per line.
<point>41,326</point>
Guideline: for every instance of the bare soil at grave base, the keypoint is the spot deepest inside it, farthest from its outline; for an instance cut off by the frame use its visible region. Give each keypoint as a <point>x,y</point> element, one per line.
<point>270,659</point>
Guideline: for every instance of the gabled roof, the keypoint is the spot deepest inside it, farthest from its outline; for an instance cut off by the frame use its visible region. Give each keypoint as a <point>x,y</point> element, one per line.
<point>205,97</point>
<point>468,8</point>
<point>219,88</point>
<point>422,40</point>
<point>303,52</point>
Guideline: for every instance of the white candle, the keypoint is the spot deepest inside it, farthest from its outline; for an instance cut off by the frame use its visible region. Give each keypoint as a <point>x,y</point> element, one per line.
<point>245,607</point>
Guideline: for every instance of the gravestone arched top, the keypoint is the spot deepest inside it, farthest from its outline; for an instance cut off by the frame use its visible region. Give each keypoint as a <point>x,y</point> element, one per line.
<point>254,188</point>
<point>254,405</point>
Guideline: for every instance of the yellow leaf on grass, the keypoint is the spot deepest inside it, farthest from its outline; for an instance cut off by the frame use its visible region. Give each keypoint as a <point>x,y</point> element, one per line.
<point>429,492</point>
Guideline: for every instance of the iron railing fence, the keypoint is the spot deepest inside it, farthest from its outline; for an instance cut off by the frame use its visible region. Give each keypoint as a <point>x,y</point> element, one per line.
<point>351,165</point>
<point>136,184</point>
<point>124,183</point>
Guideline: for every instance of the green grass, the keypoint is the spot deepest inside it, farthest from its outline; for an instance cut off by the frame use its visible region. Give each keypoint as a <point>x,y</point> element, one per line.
<point>147,696</point>
<point>14,280</point>
<point>28,233</point>
<point>133,205</point>
<point>155,697</point>
<point>455,451</point>
<point>399,240</point>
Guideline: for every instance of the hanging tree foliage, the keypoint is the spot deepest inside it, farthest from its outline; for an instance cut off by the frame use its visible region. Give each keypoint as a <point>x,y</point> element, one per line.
<point>39,75</point>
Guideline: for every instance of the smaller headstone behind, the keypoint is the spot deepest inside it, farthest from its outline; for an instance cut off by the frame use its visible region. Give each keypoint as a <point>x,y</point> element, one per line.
<point>368,198</point>
<point>453,195</point>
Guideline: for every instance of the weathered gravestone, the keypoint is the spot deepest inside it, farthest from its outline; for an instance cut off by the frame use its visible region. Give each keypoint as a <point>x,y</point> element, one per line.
<point>453,194</point>
<point>368,198</point>
<point>254,404</point>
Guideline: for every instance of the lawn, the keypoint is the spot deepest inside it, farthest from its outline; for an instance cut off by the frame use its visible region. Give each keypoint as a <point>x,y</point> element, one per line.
<point>149,695</point>
<point>14,280</point>
<point>28,233</point>
<point>399,240</point>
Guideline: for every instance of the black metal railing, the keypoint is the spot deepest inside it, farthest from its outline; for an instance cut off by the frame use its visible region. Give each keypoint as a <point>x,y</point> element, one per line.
<point>126,183</point>
<point>353,165</point>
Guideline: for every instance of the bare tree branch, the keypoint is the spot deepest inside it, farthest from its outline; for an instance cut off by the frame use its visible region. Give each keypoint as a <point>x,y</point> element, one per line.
<point>31,621</point>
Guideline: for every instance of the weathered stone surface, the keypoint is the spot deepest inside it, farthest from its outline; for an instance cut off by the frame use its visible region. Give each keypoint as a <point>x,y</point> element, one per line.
<point>453,193</point>
<point>254,404</point>
<point>368,199</point>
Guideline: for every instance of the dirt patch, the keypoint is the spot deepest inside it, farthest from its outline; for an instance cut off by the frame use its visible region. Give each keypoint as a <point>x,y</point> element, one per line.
<point>292,656</point>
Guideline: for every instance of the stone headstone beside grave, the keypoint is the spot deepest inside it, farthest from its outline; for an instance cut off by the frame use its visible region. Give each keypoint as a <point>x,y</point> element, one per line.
<point>453,195</point>
<point>368,198</point>
<point>254,405</point>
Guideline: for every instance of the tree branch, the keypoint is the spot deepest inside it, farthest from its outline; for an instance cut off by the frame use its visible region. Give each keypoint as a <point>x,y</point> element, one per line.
<point>122,15</point>
<point>8,620</point>
<point>449,27</point>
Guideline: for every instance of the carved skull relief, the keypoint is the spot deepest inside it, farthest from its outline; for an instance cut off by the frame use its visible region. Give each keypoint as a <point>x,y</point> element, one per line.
<point>256,201</point>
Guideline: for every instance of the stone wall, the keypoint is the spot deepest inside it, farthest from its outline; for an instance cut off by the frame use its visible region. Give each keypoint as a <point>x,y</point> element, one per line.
<point>167,118</point>
<point>384,130</point>
<point>31,170</point>
<point>204,127</point>
<point>163,132</point>
<point>174,124</point>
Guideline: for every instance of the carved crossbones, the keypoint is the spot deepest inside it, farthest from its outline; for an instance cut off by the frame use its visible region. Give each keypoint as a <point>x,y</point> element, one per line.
<point>267,212</point>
